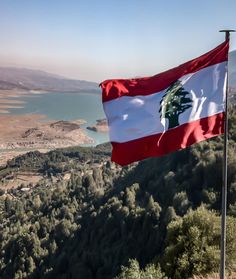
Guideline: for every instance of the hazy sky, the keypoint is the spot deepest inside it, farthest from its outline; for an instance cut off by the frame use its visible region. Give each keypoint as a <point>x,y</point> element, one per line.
<point>100,39</point>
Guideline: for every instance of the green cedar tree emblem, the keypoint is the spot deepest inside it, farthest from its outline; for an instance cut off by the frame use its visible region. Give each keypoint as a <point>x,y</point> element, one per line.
<point>174,102</point>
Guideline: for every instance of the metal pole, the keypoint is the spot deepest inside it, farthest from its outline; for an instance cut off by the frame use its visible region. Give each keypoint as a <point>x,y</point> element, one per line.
<point>225,174</point>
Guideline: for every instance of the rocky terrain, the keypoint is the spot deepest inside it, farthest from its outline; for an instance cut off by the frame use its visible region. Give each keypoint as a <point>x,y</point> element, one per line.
<point>29,132</point>
<point>100,126</point>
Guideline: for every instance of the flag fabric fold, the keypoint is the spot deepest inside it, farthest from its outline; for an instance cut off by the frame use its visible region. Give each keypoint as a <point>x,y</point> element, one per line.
<point>153,116</point>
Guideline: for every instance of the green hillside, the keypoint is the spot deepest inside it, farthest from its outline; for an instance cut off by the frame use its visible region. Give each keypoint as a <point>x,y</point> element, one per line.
<point>88,218</point>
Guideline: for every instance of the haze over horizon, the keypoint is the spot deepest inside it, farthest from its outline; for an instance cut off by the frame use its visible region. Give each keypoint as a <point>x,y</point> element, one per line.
<point>97,40</point>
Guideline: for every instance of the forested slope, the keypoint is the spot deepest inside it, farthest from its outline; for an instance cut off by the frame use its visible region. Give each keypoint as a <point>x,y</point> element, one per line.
<point>162,211</point>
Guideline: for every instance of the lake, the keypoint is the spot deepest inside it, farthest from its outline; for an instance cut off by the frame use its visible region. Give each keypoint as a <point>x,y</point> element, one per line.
<point>66,106</point>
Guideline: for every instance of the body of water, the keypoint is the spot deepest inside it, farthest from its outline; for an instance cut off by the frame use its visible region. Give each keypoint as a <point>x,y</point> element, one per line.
<point>66,106</point>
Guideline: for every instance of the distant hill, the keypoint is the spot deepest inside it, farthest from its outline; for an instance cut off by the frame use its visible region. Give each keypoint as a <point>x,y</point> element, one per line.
<point>232,69</point>
<point>19,78</point>
<point>5,85</point>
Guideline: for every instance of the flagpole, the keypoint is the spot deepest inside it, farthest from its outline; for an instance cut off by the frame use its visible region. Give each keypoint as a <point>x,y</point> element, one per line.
<point>225,175</point>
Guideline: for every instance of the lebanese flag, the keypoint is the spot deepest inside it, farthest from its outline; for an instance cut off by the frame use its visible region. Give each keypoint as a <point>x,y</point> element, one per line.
<point>153,116</point>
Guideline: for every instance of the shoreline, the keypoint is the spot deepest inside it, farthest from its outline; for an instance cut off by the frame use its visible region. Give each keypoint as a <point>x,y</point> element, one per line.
<point>10,99</point>
<point>22,133</point>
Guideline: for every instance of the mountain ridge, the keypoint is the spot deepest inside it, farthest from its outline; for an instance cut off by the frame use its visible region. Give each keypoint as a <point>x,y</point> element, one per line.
<point>29,79</point>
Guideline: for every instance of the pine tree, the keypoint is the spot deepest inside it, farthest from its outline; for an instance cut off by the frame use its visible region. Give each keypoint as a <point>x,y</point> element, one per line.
<point>173,103</point>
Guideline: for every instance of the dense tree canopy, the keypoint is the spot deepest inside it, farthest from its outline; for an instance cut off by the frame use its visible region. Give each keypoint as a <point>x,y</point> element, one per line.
<point>163,213</point>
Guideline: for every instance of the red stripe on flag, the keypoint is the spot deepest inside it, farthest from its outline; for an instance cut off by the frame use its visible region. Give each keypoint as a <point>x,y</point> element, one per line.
<point>172,140</point>
<point>115,88</point>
